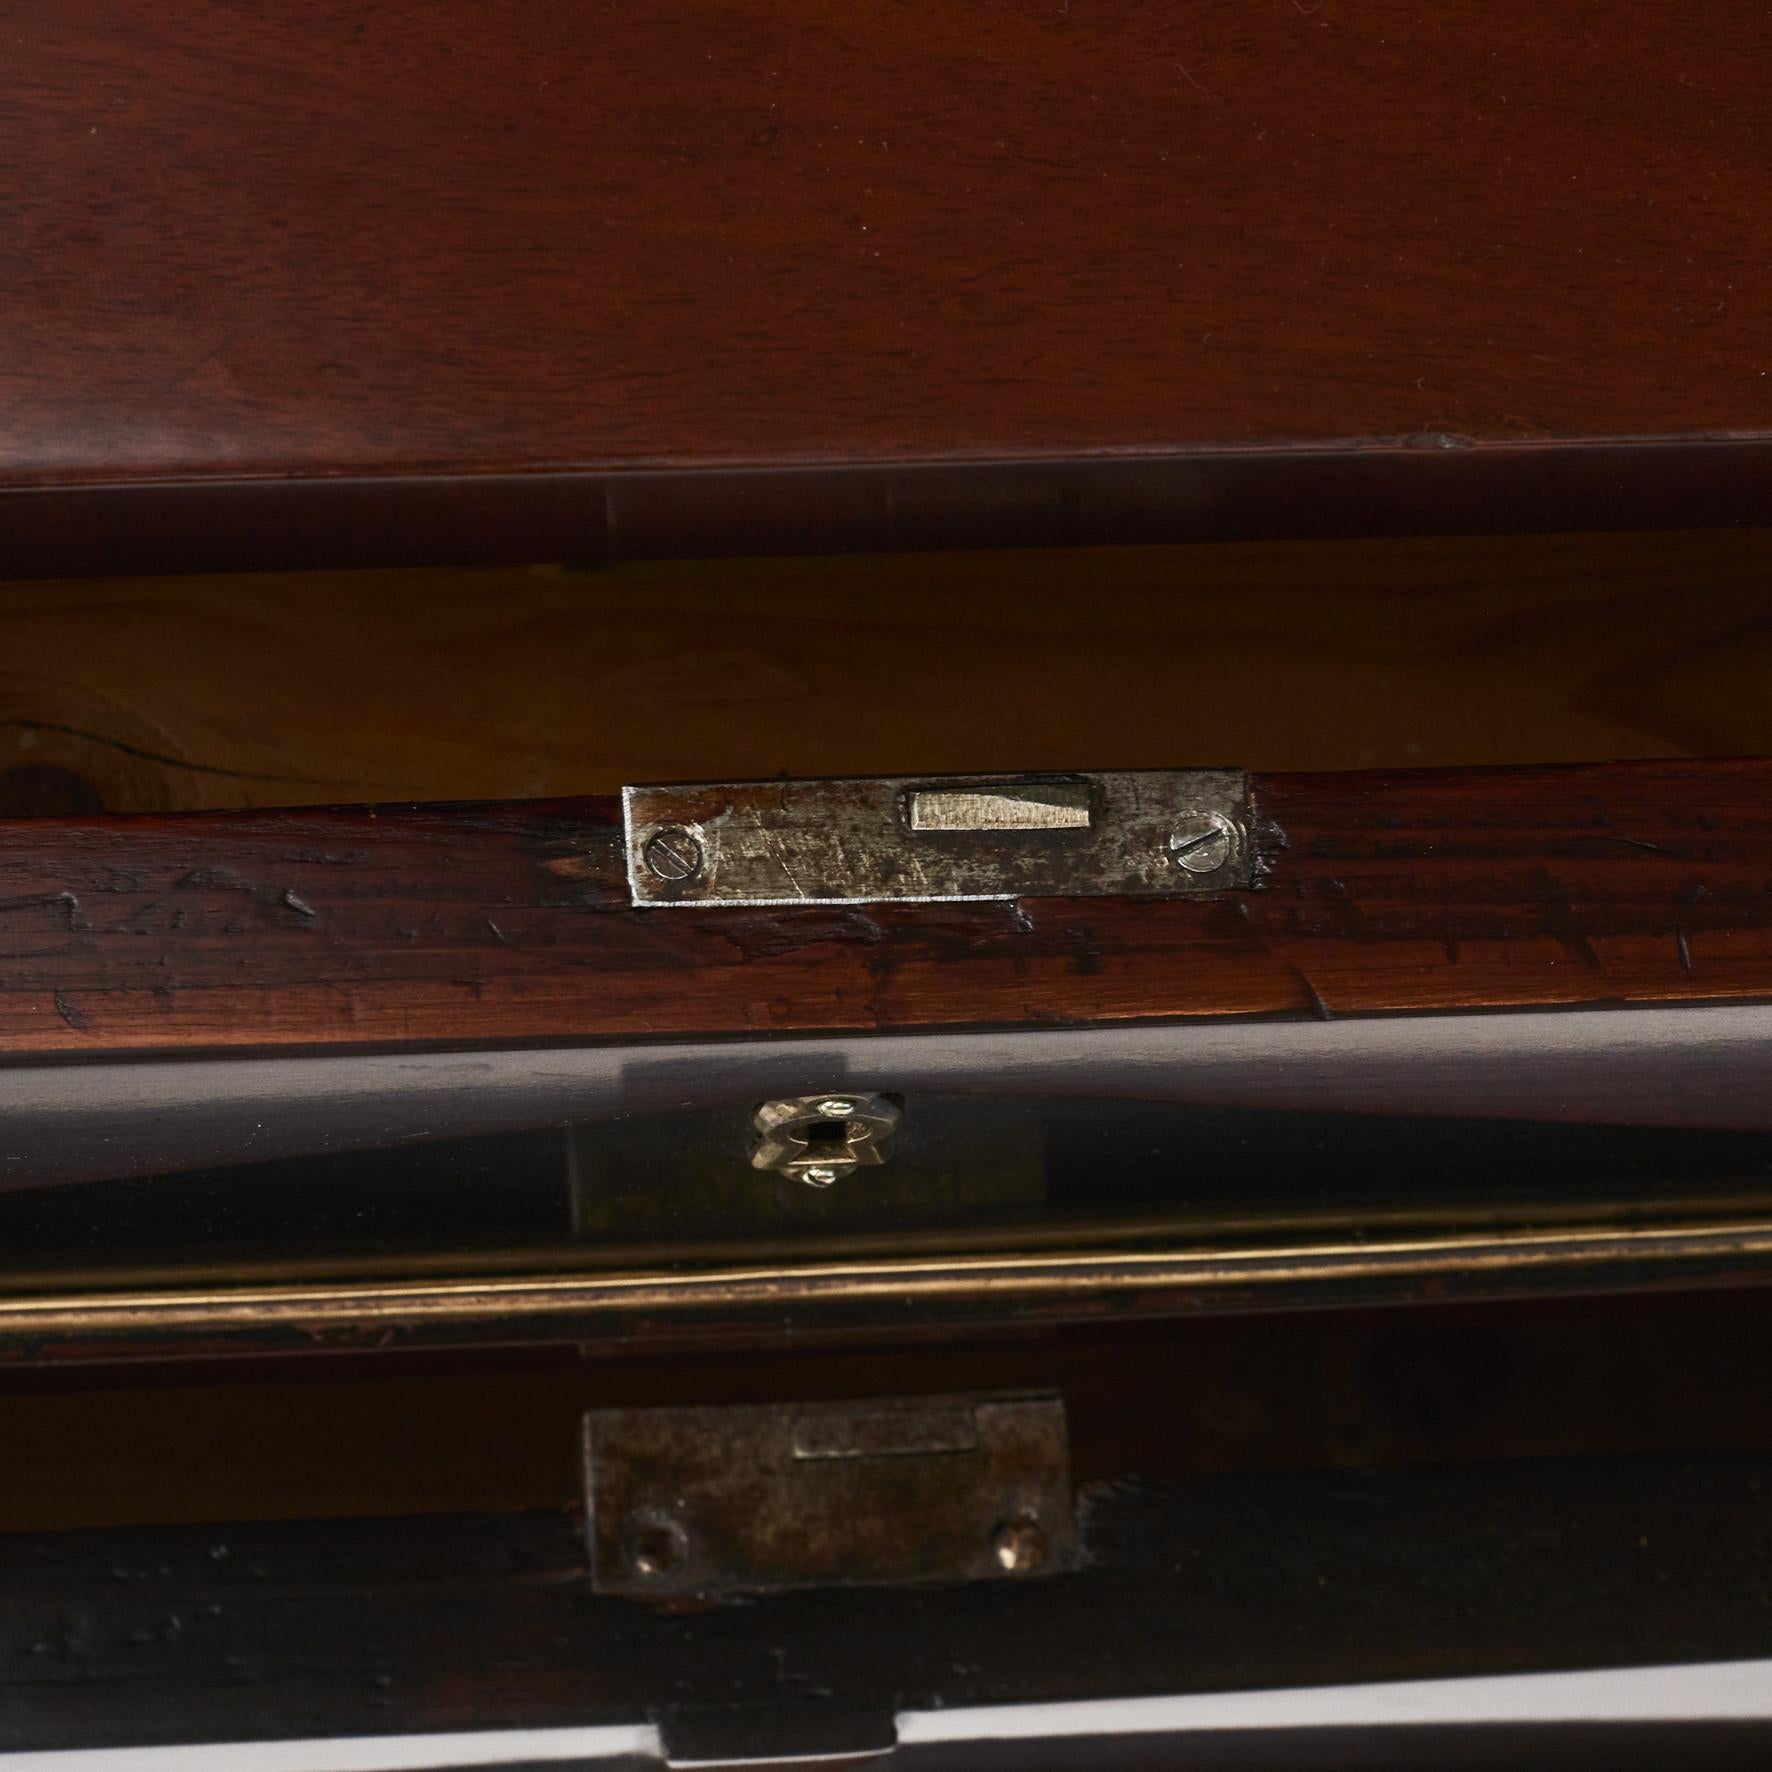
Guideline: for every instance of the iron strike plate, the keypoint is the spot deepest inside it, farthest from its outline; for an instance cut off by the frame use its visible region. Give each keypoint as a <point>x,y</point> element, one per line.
<point>754,1498</point>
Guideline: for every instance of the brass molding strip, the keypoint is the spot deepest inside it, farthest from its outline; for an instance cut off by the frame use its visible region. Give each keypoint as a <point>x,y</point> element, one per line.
<point>877,1293</point>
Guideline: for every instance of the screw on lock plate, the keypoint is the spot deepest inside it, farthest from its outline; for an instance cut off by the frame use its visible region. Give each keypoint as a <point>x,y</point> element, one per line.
<point>673,853</point>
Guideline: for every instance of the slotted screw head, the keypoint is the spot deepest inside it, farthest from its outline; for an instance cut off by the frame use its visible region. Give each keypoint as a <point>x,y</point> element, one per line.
<point>1201,841</point>
<point>674,854</point>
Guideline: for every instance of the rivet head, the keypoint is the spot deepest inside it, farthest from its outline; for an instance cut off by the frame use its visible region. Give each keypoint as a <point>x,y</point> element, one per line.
<point>1201,842</point>
<point>837,1108</point>
<point>674,854</point>
<point>1019,1546</point>
<point>656,1545</point>
<point>819,1176</point>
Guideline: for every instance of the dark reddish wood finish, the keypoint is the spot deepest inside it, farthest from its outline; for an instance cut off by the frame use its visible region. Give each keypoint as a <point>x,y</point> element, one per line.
<point>323,255</point>
<point>481,924</point>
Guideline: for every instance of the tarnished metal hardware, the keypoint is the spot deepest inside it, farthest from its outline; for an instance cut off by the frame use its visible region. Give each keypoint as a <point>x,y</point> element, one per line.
<point>756,1498</point>
<point>1202,842</point>
<point>1153,833</point>
<point>818,1139</point>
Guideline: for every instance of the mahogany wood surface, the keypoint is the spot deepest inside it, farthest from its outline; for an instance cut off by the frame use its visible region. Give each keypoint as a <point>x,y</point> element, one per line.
<point>508,923</point>
<point>496,280</point>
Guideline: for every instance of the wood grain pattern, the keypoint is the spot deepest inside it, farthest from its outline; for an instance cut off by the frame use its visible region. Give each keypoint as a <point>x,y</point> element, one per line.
<point>154,695</point>
<point>469,271</point>
<point>477,924</point>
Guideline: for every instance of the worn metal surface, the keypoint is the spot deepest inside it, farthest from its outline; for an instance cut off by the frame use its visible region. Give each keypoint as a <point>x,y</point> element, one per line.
<point>818,1139</point>
<point>1157,833</point>
<point>757,1498</point>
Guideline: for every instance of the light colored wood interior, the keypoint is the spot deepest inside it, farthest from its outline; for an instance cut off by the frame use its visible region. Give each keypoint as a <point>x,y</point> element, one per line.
<point>299,687</point>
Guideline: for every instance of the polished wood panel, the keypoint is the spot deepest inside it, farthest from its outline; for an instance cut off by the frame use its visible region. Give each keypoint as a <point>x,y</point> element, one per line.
<point>296,688</point>
<point>396,279</point>
<point>477,924</point>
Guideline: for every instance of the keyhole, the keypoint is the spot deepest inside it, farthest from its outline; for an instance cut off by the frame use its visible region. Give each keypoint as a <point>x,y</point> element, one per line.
<point>827,1138</point>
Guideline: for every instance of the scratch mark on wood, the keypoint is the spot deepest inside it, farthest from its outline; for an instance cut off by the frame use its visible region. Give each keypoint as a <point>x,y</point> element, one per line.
<point>765,934</point>
<point>221,879</point>
<point>1631,842</point>
<point>109,742</point>
<point>75,1018</point>
<point>292,900</point>
<point>1319,1008</point>
<point>67,904</point>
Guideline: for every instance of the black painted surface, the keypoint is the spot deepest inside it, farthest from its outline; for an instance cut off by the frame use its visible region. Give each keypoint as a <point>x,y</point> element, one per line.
<point>1624,1747</point>
<point>1230,1583</point>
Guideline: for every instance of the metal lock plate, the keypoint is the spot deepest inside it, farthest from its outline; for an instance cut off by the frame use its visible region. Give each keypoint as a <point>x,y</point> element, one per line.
<point>1160,833</point>
<point>756,1498</point>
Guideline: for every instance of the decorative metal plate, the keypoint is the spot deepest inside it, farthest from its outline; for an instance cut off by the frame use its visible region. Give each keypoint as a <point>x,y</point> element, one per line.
<point>754,1498</point>
<point>1156,833</point>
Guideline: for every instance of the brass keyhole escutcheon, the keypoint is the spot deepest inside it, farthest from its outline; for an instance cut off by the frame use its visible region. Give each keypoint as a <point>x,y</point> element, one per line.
<point>818,1139</point>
